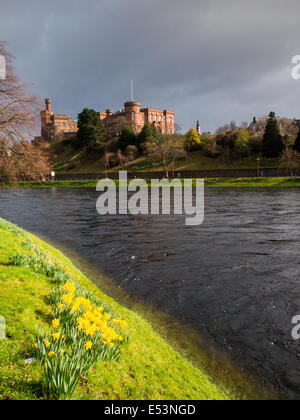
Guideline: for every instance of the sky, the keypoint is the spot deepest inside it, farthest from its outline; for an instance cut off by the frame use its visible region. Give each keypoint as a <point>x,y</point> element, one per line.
<point>214,61</point>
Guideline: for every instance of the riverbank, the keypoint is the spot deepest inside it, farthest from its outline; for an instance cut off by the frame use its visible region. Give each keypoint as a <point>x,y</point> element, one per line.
<point>148,367</point>
<point>273,182</point>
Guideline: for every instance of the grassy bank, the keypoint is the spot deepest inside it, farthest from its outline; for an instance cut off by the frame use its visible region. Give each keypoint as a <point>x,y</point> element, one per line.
<point>148,368</point>
<point>282,182</point>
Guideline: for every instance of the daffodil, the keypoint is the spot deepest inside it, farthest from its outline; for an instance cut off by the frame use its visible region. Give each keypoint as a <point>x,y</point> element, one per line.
<point>47,344</point>
<point>88,345</point>
<point>51,354</point>
<point>55,323</point>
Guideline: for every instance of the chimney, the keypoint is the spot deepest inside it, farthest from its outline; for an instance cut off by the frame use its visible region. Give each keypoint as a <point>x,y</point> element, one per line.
<point>48,104</point>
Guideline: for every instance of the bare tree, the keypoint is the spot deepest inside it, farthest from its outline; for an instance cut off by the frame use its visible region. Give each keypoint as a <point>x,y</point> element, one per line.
<point>177,128</point>
<point>24,163</point>
<point>289,160</point>
<point>163,151</point>
<point>18,119</point>
<point>121,158</point>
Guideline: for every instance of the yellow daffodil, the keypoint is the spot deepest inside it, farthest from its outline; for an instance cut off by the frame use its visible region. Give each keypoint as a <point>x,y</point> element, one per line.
<point>67,299</point>
<point>51,354</point>
<point>47,344</point>
<point>55,323</point>
<point>88,345</point>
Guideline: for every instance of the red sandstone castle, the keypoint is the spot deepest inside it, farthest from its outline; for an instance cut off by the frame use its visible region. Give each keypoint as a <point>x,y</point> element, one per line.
<point>57,127</point>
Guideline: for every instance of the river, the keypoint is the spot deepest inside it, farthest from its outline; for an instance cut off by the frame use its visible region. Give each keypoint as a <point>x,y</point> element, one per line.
<point>234,279</point>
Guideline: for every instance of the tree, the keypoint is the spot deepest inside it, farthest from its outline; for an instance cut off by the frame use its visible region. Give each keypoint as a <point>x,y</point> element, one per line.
<point>147,134</point>
<point>18,119</point>
<point>192,140</point>
<point>211,148</point>
<point>297,142</point>
<point>25,163</point>
<point>289,159</point>
<point>163,151</point>
<point>241,146</point>
<point>90,130</point>
<point>127,138</point>
<point>272,140</point>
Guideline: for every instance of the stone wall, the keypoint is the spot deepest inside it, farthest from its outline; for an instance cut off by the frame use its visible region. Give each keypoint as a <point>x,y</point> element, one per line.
<point>226,173</point>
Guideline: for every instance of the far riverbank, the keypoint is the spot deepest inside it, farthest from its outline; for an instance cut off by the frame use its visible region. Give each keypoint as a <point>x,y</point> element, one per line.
<point>272,182</point>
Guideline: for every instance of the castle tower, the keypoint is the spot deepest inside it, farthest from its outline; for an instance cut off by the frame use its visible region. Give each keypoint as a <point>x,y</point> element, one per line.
<point>132,113</point>
<point>46,123</point>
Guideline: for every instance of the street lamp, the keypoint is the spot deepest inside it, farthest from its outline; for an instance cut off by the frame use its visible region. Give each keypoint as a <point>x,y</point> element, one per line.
<point>258,167</point>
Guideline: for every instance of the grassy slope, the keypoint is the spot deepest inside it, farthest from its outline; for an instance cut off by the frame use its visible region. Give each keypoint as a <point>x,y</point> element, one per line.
<point>148,368</point>
<point>218,182</point>
<point>70,161</point>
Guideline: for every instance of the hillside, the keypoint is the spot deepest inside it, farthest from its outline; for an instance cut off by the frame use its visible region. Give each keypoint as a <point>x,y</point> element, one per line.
<point>66,159</point>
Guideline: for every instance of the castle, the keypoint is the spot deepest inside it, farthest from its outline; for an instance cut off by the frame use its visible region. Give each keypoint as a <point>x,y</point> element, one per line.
<point>57,127</point>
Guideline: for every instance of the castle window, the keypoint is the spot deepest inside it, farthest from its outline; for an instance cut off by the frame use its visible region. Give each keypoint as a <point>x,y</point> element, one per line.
<point>160,118</point>
<point>151,117</point>
<point>133,116</point>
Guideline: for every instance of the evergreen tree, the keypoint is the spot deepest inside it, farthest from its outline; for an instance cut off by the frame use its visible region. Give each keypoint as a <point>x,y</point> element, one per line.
<point>272,140</point>
<point>90,130</point>
<point>297,142</point>
<point>127,138</point>
<point>148,133</point>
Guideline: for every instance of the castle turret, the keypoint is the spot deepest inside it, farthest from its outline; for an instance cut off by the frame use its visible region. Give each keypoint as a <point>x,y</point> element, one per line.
<point>48,105</point>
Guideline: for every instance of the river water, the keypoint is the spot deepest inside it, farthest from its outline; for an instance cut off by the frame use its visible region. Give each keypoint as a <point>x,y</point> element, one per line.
<point>234,279</point>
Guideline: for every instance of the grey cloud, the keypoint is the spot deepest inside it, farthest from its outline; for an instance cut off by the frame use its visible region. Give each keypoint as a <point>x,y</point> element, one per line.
<point>214,61</point>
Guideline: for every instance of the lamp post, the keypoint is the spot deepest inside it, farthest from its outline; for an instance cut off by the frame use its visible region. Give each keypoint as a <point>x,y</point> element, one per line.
<point>258,167</point>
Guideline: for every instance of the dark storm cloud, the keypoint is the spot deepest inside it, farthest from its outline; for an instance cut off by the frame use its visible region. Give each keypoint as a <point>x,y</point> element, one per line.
<point>214,61</point>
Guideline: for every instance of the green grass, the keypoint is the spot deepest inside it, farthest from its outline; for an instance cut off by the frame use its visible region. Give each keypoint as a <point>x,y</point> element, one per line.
<point>275,182</point>
<point>149,368</point>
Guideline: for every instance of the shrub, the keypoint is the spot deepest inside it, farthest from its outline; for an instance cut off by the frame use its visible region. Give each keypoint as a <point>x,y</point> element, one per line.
<point>131,152</point>
<point>211,148</point>
<point>192,140</point>
<point>241,146</point>
<point>127,138</point>
<point>180,154</point>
